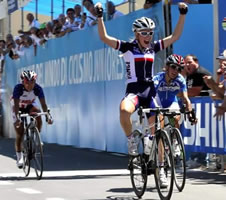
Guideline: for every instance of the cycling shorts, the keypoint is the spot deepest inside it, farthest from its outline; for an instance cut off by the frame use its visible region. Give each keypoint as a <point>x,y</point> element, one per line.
<point>142,94</point>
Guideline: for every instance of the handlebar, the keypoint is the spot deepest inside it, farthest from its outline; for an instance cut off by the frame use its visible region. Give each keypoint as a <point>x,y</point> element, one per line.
<point>35,114</point>
<point>167,112</point>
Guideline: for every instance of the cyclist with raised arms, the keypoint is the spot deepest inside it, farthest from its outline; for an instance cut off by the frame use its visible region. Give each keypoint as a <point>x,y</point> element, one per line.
<point>139,56</point>
<point>169,84</point>
<point>23,99</point>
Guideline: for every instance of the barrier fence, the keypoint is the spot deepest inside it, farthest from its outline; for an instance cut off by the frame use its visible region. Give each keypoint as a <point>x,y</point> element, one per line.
<point>84,82</point>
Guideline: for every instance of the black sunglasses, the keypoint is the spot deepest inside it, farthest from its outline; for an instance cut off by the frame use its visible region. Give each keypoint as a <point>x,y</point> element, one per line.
<point>176,67</point>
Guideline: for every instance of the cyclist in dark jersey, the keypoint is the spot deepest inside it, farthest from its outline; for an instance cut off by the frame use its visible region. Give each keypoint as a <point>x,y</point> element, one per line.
<point>139,58</point>
<point>23,99</point>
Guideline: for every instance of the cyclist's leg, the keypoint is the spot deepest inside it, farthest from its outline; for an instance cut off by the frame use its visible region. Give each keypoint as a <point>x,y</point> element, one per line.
<point>18,141</point>
<point>127,107</point>
<point>34,108</point>
<point>177,118</point>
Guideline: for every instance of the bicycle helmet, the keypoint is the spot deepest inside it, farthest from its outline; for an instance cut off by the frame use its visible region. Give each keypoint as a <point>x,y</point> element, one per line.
<point>143,23</point>
<point>28,75</point>
<point>175,60</point>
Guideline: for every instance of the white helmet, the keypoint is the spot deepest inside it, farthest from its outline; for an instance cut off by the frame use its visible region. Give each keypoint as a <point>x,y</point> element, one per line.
<point>28,75</point>
<point>143,23</point>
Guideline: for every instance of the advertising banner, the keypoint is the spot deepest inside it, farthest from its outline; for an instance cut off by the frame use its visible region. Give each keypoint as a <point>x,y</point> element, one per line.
<point>12,6</point>
<point>209,134</point>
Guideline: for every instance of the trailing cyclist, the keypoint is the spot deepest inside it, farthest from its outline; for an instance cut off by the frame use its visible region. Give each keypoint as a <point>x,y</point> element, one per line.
<point>168,85</point>
<point>23,99</point>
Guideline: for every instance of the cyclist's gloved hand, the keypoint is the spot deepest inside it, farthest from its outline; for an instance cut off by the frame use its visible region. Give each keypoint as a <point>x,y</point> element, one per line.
<point>99,10</point>
<point>192,118</point>
<point>183,8</point>
<point>49,121</point>
<point>49,118</point>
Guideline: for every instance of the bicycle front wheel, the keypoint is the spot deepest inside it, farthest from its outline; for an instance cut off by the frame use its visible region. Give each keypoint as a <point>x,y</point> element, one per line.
<point>179,158</point>
<point>26,154</point>
<point>37,153</point>
<point>138,174</point>
<point>164,172</point>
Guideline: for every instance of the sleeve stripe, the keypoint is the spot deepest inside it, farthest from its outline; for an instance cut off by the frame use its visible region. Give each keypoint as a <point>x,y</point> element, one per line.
<point>162,44</point>
<point>117,45</point>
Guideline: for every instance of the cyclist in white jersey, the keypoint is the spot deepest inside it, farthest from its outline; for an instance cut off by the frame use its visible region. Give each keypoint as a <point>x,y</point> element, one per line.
<point>139,58</point>
<point>23,99</point>
<point>169,84</point>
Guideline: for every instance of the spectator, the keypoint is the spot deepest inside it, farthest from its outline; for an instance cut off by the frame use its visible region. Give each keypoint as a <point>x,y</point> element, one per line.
<point>32,23</point>
<point>64,26</point>
<point>195,73</point>
<point>112,12</point>
<point>2,54</point>
<point>220,71</point>
<point>11,48</point>
<point>150,3</point>
<point>221,110</point>
<point>92,17</point>
<point>49,29</point>
<point>218,87</point>
<point>78,16</point>
<point>36,36</point>
<point>71,22</point>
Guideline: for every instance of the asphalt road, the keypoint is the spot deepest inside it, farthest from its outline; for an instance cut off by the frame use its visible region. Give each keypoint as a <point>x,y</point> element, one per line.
<point>85,174</point>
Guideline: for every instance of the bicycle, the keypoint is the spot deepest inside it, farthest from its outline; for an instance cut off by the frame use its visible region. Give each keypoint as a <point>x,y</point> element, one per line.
<point>177,144</point>
<point>146,164</point>
<point>32,144</point>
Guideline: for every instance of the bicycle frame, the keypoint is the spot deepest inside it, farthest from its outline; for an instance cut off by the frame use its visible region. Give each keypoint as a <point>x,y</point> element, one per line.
<point>32,144</point>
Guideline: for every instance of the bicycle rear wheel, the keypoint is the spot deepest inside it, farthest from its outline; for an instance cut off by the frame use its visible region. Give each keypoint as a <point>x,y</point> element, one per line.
<point>37,153</point>
<point>179,158</point>
<point>26,154</point>
<point>138,175</point>
<point>165,162</point>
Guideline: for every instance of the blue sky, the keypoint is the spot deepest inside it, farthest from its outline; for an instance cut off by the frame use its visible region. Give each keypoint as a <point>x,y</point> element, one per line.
<point>44,6</point>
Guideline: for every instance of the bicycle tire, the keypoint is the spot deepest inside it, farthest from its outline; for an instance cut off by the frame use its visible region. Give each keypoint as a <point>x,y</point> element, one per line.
<point>164,193</point>
<point>138,175</point>
<point>179,160</point>
<point>26,154</point>
<point>37,153</point>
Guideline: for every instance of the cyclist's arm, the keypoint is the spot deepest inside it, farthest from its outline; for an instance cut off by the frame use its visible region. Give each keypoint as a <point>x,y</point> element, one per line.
<point>43,104</point>
<point>16,107</point>
<point>184,96</point>
<point>111,41</point>
<point>177,31</point>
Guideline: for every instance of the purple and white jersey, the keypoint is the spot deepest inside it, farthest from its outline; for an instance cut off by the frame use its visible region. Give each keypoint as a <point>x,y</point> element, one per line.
<point>139,64</point>
<point>26,98</point>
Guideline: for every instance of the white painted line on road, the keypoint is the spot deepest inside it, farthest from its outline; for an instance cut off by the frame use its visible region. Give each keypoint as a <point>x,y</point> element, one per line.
<point>6,183</point>
<point>28,191</point>
<point>73,173</point>
<point>88,173</point>
<point>54,198</point>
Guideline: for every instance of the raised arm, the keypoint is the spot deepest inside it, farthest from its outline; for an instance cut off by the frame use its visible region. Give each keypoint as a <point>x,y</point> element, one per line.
<point>111,41</point>
<point>183,8</point>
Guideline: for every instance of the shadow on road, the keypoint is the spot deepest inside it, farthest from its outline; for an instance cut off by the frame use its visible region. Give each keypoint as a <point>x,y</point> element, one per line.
<point>61,157</point>
<point>66,158</point>
<point>204,177</point>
